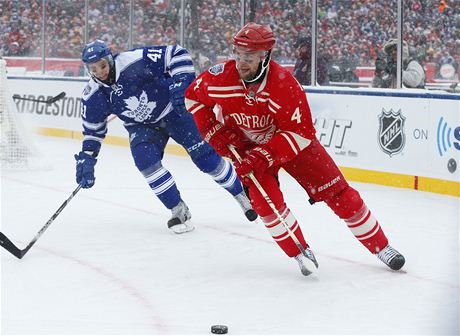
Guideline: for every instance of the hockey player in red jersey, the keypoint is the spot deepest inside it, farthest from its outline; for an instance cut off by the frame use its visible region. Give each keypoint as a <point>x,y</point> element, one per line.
<point>264,114</point>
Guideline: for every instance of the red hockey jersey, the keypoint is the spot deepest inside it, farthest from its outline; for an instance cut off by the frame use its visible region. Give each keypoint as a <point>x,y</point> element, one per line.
<point>274,113</point>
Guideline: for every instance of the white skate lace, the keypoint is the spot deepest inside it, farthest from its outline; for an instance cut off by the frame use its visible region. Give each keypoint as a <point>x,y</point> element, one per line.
<point>387,254</point>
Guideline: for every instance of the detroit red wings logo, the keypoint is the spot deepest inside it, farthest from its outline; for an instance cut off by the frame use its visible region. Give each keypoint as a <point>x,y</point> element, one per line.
<point>260,136</point>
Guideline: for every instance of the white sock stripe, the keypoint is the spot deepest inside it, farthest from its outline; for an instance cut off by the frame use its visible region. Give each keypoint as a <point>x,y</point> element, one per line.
<point>362,220</point>
<point>156,175</point>
<point>362,213</point>
<point>279,229</point>
<point>377,228</point>
<point>163,187</point>
<point>221,171</point>
<point>365,227</point>
<point>283,215</point>
<point>286,234</point>
<point>230,182</point>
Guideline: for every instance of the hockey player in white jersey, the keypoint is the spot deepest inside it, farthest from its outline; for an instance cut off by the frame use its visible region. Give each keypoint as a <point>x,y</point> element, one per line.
<point>145,87</point>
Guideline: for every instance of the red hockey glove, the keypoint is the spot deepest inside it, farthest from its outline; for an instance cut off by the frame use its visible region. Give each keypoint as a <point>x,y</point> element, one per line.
<point>258,160</point>
<point>220,137</point>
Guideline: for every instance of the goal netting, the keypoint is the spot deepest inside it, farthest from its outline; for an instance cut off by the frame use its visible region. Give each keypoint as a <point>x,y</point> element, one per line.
<point>17,151</point>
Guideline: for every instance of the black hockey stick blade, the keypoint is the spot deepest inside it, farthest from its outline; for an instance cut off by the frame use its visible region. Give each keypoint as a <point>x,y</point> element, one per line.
<point>55,99</point>
<point>10,247</point>
<point>18,253</point>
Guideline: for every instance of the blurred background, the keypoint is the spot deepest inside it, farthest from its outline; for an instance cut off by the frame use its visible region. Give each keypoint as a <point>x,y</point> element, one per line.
<point>47,36</point>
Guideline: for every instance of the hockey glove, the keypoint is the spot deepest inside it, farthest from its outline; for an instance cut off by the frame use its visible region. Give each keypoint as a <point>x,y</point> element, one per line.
<point>177,89</point>
<point>220,137</point>
<point>257,161</point>
<point>85,169</point>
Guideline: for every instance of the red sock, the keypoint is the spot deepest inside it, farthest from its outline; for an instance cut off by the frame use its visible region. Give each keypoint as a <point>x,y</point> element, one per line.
<point>349,206</point>
<point>279,233</point>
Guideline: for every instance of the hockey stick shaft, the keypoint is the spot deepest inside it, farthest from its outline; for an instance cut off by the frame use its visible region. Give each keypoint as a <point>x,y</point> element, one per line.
<point>271,204</point>
<point>13,249</point>
<point>47,101</point>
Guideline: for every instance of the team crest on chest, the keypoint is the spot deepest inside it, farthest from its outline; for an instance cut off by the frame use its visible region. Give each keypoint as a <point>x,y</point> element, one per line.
<point>140,108</point>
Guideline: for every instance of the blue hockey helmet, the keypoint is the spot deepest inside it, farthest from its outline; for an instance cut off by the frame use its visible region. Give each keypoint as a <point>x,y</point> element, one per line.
<point>96,51</point>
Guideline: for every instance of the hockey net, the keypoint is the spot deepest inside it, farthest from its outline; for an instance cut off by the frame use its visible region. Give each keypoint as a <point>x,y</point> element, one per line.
<point>17,151</point>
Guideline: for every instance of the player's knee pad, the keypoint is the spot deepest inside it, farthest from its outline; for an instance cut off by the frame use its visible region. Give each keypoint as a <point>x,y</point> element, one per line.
<point>205,157</point>
<point>145,155</point>
<point>140,134</point>
<point>346,203</point>
<point>271,186</point>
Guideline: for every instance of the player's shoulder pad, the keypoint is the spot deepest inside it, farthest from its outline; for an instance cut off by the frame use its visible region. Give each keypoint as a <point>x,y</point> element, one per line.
<point>90,89</point>
<point>125,59</point>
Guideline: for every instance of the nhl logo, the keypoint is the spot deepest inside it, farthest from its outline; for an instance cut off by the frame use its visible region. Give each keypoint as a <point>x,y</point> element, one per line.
<point>391,132</point>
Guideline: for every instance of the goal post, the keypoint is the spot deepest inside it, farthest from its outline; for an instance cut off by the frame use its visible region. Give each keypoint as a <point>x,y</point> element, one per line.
<point>17,151</point>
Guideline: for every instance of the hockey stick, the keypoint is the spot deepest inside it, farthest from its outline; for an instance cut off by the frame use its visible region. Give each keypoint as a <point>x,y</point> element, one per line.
<point>18,253</point>
<point>47,101</point>
<point>271,204</point>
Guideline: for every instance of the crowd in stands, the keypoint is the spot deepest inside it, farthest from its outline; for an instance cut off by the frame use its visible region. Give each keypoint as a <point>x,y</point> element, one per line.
<point>353,30</point>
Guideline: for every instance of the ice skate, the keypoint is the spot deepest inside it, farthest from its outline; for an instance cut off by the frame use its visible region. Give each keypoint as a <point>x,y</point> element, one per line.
<point>307,263</point>
<point>391,258</point>
<point>245,204</point>
<point>179,222</point>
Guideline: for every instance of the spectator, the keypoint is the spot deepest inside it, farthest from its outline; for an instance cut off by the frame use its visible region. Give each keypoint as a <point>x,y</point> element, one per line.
<point>446,68</point>
<point>354,26</point>
<point>413,75</point>
<point>302,68</point>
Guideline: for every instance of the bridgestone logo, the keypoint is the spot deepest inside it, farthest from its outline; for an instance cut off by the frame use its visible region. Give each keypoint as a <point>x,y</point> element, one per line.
<point>329,184</point>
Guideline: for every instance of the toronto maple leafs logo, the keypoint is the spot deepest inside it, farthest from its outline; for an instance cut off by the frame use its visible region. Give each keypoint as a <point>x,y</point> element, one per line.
<point>139,109</point>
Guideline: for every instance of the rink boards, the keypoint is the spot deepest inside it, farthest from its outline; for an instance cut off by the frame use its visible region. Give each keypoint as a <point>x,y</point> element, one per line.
<point>401,138</point>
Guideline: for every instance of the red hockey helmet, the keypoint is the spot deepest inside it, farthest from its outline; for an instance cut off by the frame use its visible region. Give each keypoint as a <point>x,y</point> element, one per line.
<point>255,37</point>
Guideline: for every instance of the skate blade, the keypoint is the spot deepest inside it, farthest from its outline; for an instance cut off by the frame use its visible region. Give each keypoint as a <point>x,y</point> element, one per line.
<point>182,228</point>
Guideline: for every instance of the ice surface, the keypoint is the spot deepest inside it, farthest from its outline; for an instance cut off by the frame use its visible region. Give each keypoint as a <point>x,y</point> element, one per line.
<point>109,265</point>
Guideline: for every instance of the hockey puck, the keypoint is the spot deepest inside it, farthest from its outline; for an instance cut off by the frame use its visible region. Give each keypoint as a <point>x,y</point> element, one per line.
<point>219,329</point>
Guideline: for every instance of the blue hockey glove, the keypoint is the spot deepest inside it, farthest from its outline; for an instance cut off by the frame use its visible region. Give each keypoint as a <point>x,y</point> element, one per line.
<point>177,90</point>
<point>85,169</point>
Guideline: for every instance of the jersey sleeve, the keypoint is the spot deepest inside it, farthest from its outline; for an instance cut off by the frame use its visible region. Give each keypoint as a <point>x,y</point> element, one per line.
<point>293,118</point>
<point>179,65</point>
<point>95,108</point>
<point>199,104</point>
<point>178,61</point>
